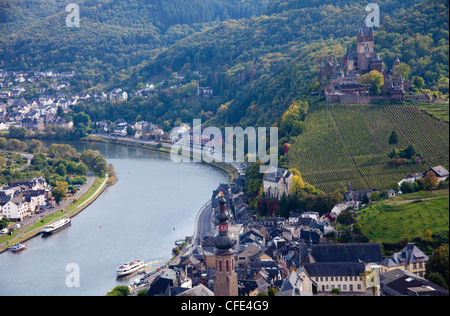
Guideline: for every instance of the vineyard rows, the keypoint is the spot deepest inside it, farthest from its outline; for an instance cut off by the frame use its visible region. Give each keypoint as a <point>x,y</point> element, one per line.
<point>349,143</point>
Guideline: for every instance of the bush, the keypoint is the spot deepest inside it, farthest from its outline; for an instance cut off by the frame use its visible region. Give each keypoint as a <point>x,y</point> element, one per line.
<point>121,290</point>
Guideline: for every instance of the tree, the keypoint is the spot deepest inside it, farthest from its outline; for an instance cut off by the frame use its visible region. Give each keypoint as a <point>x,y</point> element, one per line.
<point>297,184</point>
<point>409,152</point>
<point>407,187</point>
<point>121,290</point>
<point>59,192</point>
<point>418,82</point>
<point>34,146</point>
<point>130,131</point>
<point>374,79</point>
<point>365,199</point>
<point>61,170</point>
<point>81,118</point>
<point>430,180</point>
<point>438,263</point>
<point>438,279</point>
<point>393,139</point>
<point>335,291</point>
<point>403,70</point>
<point>345,218</point>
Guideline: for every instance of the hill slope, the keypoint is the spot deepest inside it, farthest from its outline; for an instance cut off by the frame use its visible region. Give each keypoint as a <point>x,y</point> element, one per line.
<point>407,217</point>
<point>113,37</point>
<point>349,143</point>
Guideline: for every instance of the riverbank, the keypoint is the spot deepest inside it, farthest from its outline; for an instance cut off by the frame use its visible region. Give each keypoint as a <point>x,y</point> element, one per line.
<point>73,208</point>
<point>163,148</point>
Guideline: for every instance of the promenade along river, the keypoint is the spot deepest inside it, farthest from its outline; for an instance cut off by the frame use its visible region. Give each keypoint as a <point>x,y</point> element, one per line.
<point>154,203</point>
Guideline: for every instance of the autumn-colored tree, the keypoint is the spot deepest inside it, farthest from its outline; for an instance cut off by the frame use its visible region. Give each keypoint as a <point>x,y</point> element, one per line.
<point>430,180</point>
<point>297,184</point>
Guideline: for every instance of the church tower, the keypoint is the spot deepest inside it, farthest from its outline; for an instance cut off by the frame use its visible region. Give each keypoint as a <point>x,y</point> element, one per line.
<point>225,280</point>
<point>365,39</point>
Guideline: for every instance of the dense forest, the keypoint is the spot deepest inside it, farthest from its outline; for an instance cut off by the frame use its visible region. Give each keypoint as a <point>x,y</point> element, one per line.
<point>114,35</point>
<point>257,56</point>
<point>257,67</point>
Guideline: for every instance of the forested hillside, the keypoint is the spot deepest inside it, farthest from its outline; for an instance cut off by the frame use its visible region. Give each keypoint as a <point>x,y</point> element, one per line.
<point>114,35</point>
<point>257,56</point>
<point>257,67</point>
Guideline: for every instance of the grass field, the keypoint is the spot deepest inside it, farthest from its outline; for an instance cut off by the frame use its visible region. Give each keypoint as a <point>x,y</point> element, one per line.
<point>406,217</point>
<point>349,143</point>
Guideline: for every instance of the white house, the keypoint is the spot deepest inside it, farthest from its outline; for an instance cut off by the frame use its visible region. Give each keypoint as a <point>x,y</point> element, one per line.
<point>15,209</point>
<point>118,95</point>
<point>313,215</point>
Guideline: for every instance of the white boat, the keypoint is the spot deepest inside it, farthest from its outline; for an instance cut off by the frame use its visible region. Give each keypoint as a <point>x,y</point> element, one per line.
<point>54,227</point>
<point>130,267</point>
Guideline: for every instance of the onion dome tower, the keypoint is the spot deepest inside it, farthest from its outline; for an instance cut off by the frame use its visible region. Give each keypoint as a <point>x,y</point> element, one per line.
<point>225,280</point>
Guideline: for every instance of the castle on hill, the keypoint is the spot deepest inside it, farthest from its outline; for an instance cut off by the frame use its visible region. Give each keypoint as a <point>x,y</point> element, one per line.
<point>340,82</point>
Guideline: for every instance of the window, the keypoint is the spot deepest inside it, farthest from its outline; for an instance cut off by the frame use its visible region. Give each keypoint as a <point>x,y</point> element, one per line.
<point>345,287</point>
<point>359,286</point>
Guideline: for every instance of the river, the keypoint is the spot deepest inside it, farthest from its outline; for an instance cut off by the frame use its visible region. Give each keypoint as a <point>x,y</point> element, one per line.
<point>154,202</point>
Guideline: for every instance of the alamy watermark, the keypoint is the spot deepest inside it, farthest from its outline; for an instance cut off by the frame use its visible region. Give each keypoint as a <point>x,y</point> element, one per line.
<point>73,278</point>
<point>373,16</point>
<point>210,144</point>
<point>73,18</point>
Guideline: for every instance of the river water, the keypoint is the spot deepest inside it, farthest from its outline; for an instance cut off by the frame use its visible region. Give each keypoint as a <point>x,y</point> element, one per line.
<point>154,203</point>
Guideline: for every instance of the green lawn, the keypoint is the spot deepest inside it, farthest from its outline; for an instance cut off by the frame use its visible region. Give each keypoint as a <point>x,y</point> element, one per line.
<point>406,217</point>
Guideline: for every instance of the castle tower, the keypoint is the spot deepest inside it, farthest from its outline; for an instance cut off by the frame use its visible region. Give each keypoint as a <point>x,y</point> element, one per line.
<point>225,280</point>
<point>365,39</point>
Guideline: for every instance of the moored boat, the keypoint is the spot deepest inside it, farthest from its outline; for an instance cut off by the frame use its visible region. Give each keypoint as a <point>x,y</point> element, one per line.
<point>56,226</point>
<point>130,267</point>
<point>17,248</point>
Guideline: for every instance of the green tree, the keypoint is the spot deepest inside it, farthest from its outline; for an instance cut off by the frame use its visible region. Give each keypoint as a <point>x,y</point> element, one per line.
<point>403,70</point>
<point>121,290</point>
<point>393,139</point>
<point>438,263</point>
<point>60,191</point>
<point>418,82</point>
<point>335,291</point>
<point>61,170</point>
<point>374,79</point>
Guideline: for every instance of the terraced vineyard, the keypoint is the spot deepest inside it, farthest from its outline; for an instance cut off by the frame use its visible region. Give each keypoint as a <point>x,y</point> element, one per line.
<point>349,143</point>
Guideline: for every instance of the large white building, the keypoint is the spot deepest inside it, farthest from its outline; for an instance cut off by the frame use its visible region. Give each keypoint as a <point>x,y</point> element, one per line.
<point>14,209</point>
<point>277,182</point>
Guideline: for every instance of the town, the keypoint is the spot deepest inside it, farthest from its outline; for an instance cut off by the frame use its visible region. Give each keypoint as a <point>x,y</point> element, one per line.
<point>243,255</point>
